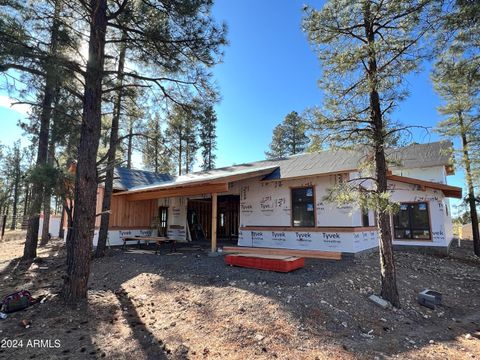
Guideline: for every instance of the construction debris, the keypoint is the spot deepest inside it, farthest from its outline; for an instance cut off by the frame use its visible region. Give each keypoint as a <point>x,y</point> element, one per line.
<point>429,298</point>
<point>384,304</point>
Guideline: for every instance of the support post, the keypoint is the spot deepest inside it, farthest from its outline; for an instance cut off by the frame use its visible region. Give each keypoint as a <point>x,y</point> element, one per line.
<point>214,222</point>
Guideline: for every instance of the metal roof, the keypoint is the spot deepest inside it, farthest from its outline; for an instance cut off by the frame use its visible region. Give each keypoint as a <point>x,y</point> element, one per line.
<point>296,166</point>
<point>334,161</point>
<point>213,176</point>
<point>422,155</point>
<point>126,179</point>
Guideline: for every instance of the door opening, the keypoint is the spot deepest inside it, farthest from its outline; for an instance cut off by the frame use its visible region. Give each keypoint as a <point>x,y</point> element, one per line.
<point>163,221</point>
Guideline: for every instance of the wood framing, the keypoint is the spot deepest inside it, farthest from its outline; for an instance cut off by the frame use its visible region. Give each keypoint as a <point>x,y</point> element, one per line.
<point>448,190</point>
<point>214,222</point>
<point>175,191</point>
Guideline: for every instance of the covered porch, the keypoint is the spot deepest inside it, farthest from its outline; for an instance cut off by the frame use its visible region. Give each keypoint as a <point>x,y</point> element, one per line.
<point>199,208</point>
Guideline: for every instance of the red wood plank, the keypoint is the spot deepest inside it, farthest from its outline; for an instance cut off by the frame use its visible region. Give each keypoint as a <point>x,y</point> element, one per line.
<point>256,262</point>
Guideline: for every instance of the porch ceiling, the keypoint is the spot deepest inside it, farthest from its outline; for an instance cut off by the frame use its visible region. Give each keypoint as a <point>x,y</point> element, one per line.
<point>176,191</point>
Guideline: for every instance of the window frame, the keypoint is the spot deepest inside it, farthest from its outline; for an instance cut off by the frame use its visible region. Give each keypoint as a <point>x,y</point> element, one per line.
<point>292,220</point>
<point>410,222</point>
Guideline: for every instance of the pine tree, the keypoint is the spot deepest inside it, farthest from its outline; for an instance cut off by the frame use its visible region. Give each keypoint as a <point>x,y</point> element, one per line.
<point>79,247</point>
<point>14,170</point>
<point>181,134</point>
<point>208,137</point>
<point>51,82</point>
<point>156,156</point>
<point>289,137</point>
<point>366,48</point>
<point>457,81</point>
<point>172,43</point>
<point>112,152</point>
<point>133,123</point>
<point>190,138</point>
<point>278,147</point>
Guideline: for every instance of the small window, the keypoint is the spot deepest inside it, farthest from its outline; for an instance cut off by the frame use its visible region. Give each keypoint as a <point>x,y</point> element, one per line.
<point>412,222</point>
<point>303,207</point>
<point>365,219</point>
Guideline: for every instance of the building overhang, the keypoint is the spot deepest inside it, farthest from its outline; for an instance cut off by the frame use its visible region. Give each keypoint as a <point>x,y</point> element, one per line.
<point>447,190</point>
<point>208,184</point>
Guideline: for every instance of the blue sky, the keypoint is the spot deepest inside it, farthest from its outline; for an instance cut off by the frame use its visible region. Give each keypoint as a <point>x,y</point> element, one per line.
<point>268,71</point>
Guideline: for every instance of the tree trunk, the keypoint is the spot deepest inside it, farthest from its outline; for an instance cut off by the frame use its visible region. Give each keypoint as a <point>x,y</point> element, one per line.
<point>180,154</point>
<point>471,192</point>
<point>387,264</point>
<point>26,200</point>
<point>31,241</point>
<point>107,195</point>
<point>187,156</point>
<point>16,190</point>
<point>156,145</point>
<point>47,198</point>
<point>69,211</point>
<point>79,247</point>
<point>46,217</point>
<point>61,231</point>
<point>129,146</point>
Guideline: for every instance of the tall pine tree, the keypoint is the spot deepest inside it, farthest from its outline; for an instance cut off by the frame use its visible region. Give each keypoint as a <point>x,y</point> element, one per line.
<point>366,48</point>
<point>457,81</point>
<point>208,137</point>
<point>156,156</point>
<point>289,137</point>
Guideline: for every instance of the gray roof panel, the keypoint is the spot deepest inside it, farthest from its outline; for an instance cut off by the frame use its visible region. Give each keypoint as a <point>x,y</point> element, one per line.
<point>308,164</point>
<point>126,179</point>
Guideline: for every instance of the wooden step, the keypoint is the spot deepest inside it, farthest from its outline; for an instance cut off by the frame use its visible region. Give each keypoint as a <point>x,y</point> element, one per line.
<point>315,254</point>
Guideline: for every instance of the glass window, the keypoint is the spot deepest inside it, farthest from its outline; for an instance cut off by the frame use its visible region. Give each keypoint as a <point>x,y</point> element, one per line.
<point>412,222</point>
<point>365,219</point>
<point>303,207</point>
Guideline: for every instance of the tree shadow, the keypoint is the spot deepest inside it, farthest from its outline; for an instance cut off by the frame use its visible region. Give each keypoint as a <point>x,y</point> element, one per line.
<point>152,347</point>
<point>320,304</point>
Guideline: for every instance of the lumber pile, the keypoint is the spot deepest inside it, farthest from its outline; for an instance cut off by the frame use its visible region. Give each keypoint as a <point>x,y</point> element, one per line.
<point>315,254</point>
<point>266,262</point>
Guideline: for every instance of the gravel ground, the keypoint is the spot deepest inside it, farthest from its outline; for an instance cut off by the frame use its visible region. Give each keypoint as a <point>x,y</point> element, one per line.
<point>187,305</point>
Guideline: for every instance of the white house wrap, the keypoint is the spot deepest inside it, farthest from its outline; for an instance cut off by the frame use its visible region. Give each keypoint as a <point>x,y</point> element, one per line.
<point>280,203</point>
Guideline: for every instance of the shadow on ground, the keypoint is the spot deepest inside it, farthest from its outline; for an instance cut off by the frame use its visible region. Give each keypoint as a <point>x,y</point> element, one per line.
<point>186,304</point>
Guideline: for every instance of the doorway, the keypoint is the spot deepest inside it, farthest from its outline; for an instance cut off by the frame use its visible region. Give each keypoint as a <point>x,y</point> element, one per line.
<point>228,218</point>
<point>162,221</point>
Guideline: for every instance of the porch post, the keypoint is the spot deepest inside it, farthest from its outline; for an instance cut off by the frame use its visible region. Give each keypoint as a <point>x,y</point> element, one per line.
<point>214,222</point>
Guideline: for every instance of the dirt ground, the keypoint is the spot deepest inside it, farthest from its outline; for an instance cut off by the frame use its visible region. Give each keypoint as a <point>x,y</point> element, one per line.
<point>187,305</point>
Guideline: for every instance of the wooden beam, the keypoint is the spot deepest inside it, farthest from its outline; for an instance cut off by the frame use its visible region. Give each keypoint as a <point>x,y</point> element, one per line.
<point>214,222</point>
<point>448,190</point>
<point>316,254</point>
<point>303,177</point>
<point>180,191</point>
